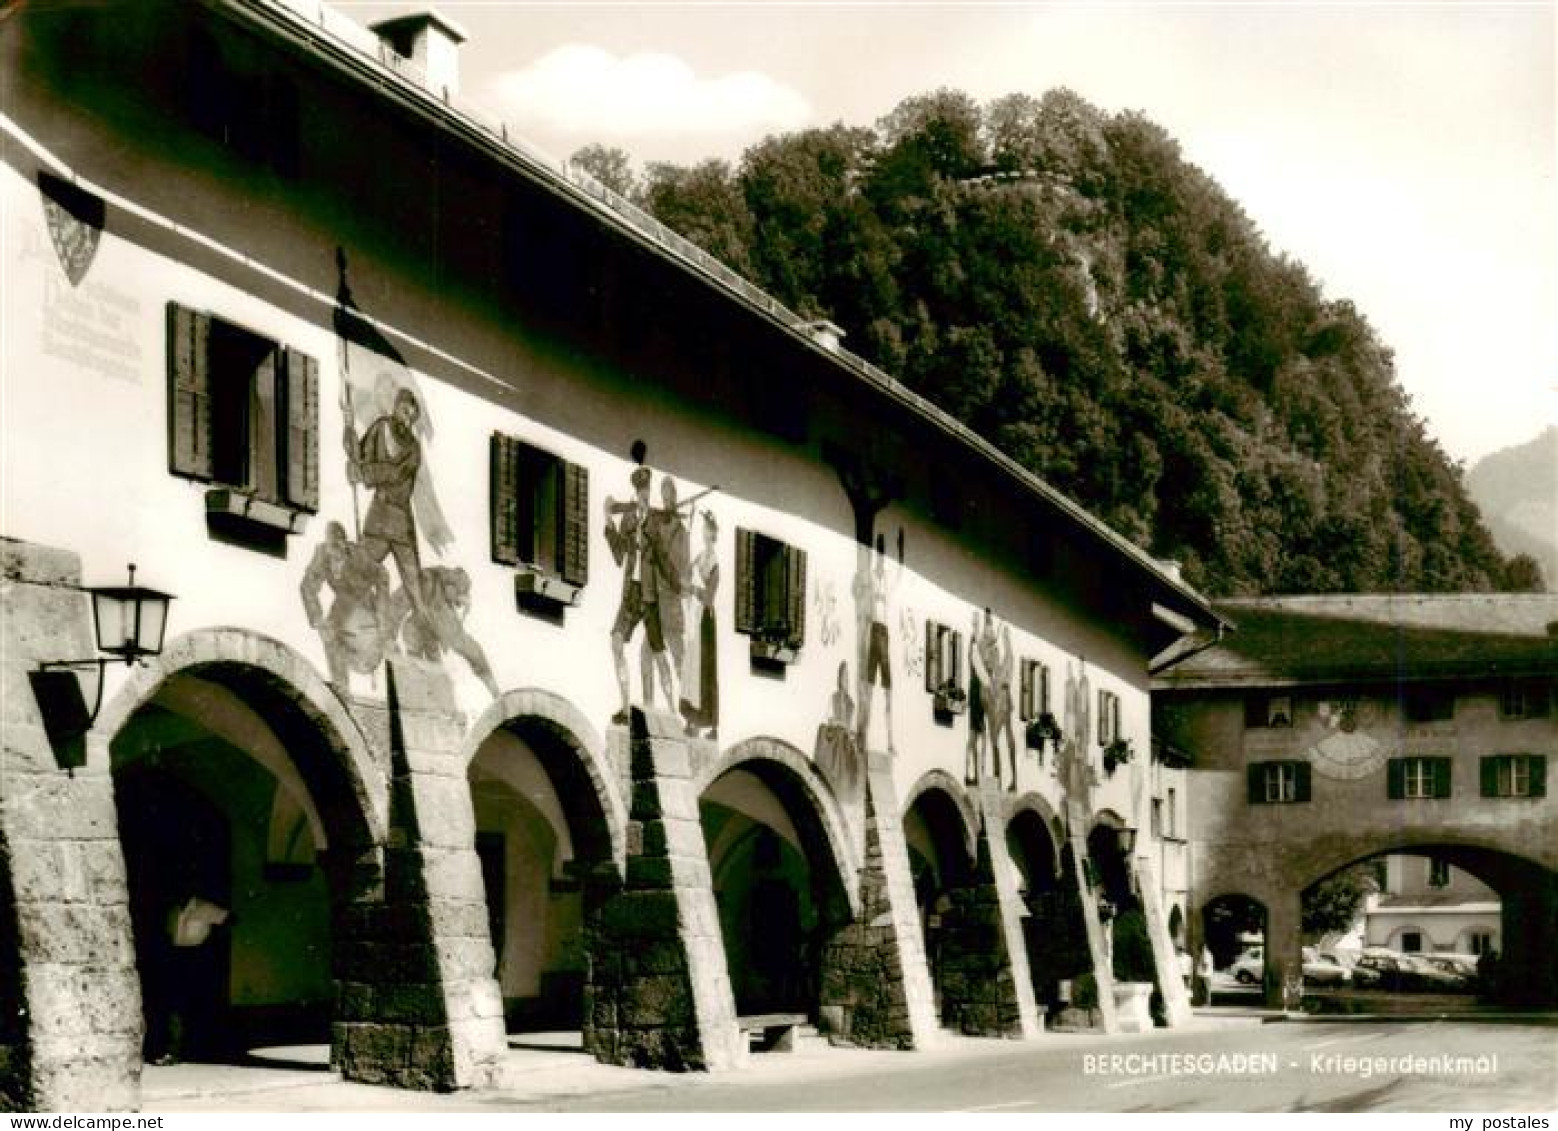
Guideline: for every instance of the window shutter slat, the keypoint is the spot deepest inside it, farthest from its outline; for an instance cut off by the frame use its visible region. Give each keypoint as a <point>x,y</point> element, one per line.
<point>1255,783</point>
<point>1538,771</point>
<point>1301,781</point>
<point>795,594</point>
<point>1396,779</point>
<point>1488,766</point>
<point>576,525</point>
<point>746,582</point>
<point>189,393</point>
<point>302,434</point>
<point>503,484</point>
<point>1441,777</point>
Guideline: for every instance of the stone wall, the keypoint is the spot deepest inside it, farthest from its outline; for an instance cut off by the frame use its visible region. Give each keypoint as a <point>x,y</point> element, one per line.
<point>79,1044</point>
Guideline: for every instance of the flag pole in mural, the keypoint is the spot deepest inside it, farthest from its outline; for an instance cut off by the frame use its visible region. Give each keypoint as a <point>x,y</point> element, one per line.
<point>367,621</point>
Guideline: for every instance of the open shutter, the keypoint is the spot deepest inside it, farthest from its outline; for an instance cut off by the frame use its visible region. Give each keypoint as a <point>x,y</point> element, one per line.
<point>1396,779</point>
<point>1025,698</point>
<point>1441,777</point>
<point>302,432</point>
<point>575,525</point>
<point>1538,699</point>
<point>1255,783</point>
<point>795,594</point>
<point>1489,775</point>
<point>1538,771</point>
<point>503,504</point>
<point>1043,688</point>
<point>746,581</point>
<point>1301,781</point>
<point>1103,718</point>
<point>189,393</point>
<point>932,656</point>
<point>955,676</point>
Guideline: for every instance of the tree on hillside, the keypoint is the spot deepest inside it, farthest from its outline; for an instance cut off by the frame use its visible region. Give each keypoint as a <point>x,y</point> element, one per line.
<point>1106,315</point>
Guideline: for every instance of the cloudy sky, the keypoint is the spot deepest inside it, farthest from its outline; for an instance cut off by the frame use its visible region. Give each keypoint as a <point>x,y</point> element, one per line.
<point>1405,152</point>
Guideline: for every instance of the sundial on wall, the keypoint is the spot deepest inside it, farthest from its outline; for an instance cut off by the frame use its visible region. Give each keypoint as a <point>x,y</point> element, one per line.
<point>1346,751</point>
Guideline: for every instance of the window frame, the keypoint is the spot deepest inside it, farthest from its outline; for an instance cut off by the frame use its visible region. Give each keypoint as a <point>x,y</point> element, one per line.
<point>531,490</point>
<point>243,417</point>
<point>765,564</point>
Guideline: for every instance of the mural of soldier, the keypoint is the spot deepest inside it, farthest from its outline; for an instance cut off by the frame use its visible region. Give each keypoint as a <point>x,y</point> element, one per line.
<point>355,630</point>
<point>627,526</point>
<point>872,592</point>
<point>700,662</point>
<point>667,541</point>
<point>981,658</point>
<point>999,709</point>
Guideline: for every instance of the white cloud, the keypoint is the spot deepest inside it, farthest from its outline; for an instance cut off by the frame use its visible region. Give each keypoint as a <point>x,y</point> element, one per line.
<point>579,93</point>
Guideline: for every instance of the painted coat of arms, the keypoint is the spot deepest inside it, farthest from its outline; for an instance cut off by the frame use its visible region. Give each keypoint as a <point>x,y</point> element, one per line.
<point>75,218</point>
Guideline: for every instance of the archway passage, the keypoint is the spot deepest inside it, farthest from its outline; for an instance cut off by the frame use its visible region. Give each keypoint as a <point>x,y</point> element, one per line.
<point>1233,933</point>
<point>243,843</point>
<point>1429,927</point>
<point>937,837</point>
<point>1054,930</point>
<point>545,845</point>
<point>777,887</point>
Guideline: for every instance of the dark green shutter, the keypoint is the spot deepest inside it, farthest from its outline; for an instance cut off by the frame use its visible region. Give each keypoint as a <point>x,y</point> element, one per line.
<point>1396,779</point>
<point>302,433</point>
<point>1025,699</point>
<point>1441,769</point>
<point>955,676</point>
<point>1538,696</point>
<point>1301,781</point>
<point>1489,775</point>
<point>1103,717</point>
<point>1043,688</point>
<point>795,595</point>
<point>746,581</point>
<point>1255,782</point>
<point>189,393</point>
<point>1538,771</point>
<point>503,488</point>
<point>575,525</point>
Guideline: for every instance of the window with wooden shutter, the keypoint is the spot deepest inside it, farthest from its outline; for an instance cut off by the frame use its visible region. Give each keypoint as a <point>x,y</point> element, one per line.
<point>576,525</point>
<point>189,393</point>
<point>746,581</point>
<point>1396,779</point>
<point>503,507</point>
<point>770,596</point>
<point>1441,776</point>
<point>302,435</point>
<point>539,516</point>
<point>795,595</point>
<point>932,656</point>
<point>1302,781</point>
<point>243,415</point>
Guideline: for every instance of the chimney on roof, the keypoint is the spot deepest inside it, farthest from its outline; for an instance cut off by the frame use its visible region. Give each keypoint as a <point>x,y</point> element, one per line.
<point>432,41</point>
<point>826,334</point>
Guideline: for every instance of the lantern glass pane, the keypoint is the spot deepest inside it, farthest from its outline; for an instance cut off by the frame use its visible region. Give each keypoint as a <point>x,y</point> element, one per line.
<point>154,620</point>
<point>114,626</point>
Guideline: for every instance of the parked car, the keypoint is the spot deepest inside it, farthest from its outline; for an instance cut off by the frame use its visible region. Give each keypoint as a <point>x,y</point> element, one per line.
<point>1429,977</point>
<point>1377,970</point>
<point>1463,967</point>
<point>1323,969</point>
<point>1249,968</point>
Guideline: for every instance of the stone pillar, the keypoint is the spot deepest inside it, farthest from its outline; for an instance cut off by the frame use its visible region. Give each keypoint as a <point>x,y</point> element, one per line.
<point>1284,945</point>
<point>657,992</point>
<point>65,933</point>
<point>876,989</point>
<point>978,990</point>
<point>1097,940</point>
<point>1528,960</point>
<point>1171,983</point>
<point>417,1003</point>
<point>1012,909</point>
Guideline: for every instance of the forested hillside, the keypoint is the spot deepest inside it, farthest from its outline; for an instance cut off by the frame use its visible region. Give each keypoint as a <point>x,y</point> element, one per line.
<point>1065,282</point>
